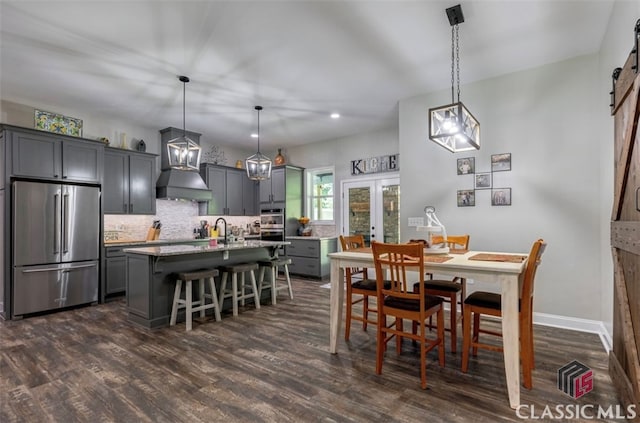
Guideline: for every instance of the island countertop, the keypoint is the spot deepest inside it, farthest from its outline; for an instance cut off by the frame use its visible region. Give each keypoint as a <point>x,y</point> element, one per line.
<point>177,250</point>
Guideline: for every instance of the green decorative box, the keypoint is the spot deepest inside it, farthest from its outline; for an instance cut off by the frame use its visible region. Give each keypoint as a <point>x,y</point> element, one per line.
<point>59,124</point>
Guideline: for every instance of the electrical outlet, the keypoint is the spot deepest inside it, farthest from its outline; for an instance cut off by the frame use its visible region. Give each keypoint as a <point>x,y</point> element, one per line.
<point>416,221</point>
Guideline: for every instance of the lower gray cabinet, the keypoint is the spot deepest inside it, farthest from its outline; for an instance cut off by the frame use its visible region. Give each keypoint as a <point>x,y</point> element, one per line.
<point>309,256</point>
<point>115,271</point>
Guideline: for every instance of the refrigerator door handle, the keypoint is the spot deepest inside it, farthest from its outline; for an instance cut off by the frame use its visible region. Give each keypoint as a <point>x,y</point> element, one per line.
<point>48,269</point>
<point>65,233</point>
<point>56,224</point>
<point>59,269</point>
<point>82,266</point>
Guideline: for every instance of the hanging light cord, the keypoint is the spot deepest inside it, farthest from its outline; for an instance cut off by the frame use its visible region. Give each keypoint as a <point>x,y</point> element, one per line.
<point>458,62</point>
<point>455,62</point>
<point>258,130</point>
<point>452,60</point>
<point>184,99</point>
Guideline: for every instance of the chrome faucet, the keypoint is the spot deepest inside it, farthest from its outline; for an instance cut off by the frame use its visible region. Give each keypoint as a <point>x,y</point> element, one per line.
<point>215,228</point>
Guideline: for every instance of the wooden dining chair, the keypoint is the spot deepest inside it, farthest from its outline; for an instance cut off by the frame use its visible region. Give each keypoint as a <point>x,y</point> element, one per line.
<point>397,263</point>
<point>489,303</point>
<point>449,289</point>
<point>358,284</point>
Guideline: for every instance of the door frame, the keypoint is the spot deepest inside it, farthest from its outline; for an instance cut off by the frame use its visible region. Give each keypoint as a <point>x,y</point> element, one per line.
<point>376,210</point>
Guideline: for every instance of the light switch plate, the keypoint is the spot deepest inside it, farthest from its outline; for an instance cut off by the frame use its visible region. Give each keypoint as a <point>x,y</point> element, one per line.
<point>416,221</point>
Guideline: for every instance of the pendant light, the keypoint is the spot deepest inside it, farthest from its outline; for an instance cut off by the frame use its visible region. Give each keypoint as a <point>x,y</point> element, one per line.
<point>453,126</point>
<point>184,153</point>
<point>258,166</point>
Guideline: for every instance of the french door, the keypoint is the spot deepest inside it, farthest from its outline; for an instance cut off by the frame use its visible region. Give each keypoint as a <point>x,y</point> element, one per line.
<point>371,207</point>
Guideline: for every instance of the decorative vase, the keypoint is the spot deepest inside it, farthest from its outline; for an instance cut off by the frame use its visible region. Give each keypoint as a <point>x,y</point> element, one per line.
<point>239,164</point>
<point>279,159</point>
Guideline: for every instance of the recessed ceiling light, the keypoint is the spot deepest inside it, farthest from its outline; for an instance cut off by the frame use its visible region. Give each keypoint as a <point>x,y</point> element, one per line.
<point>254,135</point>
<point>335,115</point>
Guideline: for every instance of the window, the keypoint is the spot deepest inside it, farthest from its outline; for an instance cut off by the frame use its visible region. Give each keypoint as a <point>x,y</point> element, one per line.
<point>320,185</point>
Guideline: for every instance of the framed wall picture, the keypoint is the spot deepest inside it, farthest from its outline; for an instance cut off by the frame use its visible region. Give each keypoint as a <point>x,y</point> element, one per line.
<point>501,197</point>
<point>466,198</point>
<point>466,165</point>
<point>483,180</point>
<point>59,124</point>
<point>500,162</point>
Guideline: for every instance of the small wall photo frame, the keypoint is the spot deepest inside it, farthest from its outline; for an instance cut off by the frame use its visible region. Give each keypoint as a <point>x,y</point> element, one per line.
<point>501,197</point>
<point>501,162</point>
<point>466,166</point>
<point>483,180</point>
<point>466,198</point>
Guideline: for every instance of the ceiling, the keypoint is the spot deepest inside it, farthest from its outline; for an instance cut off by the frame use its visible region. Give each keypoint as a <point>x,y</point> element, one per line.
<point>300,60</point>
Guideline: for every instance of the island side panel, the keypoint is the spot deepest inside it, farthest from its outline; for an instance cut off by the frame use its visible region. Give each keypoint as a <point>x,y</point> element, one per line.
<point>151,281</point>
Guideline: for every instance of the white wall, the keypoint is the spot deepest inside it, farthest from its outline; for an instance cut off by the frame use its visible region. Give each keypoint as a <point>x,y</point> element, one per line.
<point>614,50</point>
<point>339,153</point>
<point>548,119</point>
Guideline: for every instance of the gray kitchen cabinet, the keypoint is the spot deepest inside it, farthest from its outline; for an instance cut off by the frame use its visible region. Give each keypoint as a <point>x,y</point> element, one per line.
<point>250,196</point>
<point>115,271</point>
<point>284,191</point>
<point>309,256</point>
<point>57,157</point>
<point>273,190</point>
<point>129,182</point>
<point>232,191</point>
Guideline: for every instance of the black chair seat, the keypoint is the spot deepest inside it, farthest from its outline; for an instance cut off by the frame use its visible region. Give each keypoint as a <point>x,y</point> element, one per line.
<point>486,300</point>
<point>412,305</point>
<point>369,284</point>
<point>440,285</point>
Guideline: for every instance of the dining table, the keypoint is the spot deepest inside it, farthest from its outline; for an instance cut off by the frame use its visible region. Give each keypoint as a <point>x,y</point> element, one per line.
<point>504,269</point>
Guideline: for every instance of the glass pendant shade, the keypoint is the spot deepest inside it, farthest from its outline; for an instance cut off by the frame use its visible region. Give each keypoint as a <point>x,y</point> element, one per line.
<point>184,153</point>
<point>454,128</point>
<point>258,166</point>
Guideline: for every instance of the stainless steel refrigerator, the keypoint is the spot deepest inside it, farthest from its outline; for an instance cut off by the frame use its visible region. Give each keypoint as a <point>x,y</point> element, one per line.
<point>56,241</point>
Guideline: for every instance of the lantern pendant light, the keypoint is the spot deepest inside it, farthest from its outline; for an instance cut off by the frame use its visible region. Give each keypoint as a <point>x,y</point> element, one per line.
<point>258,166</point>
<point>453,126</point>
<point>183,152</point>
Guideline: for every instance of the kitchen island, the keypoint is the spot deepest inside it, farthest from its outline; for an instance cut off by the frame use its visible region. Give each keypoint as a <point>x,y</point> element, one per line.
<point>151,273</point>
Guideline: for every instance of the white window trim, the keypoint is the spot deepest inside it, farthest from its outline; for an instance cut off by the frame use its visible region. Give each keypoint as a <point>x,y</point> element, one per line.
<point>308,190</point>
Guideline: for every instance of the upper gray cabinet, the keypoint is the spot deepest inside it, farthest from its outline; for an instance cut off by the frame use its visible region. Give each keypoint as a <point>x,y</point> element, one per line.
<point>51,156</point>
<point>273,190</point>
<point>234,194</point>
<point>129,182</point>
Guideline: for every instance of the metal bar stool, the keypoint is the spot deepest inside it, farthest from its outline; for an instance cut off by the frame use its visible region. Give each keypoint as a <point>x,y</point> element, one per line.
<point>273,266</point>
<point>235,294</point>
<point>188,303</point>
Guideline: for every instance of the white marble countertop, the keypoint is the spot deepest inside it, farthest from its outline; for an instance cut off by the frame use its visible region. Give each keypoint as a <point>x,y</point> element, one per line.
<point>311,237</point>
<point>131,243</point>
<point>177,250</point>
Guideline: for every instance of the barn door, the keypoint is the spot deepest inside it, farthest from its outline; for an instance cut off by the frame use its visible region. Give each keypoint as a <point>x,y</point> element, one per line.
<point>624,359</point>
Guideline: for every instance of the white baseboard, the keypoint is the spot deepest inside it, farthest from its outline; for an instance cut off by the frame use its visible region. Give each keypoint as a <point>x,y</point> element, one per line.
<point>577,324</point>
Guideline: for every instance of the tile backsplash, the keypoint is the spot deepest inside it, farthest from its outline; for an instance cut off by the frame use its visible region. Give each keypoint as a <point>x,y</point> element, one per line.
<point>178,219</point>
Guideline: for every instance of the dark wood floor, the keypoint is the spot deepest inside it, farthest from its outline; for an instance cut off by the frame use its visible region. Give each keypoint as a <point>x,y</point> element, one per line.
<point>268,365</point>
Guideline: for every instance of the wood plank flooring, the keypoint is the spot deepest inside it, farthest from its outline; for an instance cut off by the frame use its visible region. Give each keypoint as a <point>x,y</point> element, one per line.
<point>267,365</point>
